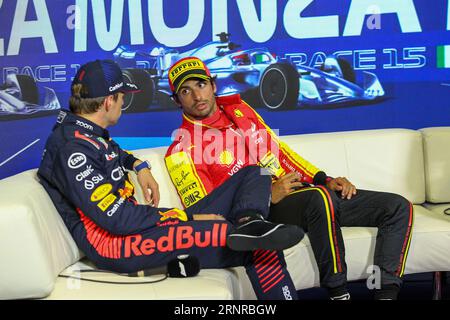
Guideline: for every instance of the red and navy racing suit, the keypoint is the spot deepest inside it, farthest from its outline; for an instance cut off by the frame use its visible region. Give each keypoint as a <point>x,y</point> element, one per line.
<point>85,174</point>
<point>235,136</point>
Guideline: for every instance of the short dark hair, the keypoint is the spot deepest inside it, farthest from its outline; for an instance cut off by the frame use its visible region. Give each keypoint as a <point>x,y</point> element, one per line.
<point>79,105</point>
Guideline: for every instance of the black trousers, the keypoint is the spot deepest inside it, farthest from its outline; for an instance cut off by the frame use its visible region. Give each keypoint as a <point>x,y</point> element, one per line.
<point>322,212</point>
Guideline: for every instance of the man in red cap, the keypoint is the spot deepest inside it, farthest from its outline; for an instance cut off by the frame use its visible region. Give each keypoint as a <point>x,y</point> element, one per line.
<point>221,136</point>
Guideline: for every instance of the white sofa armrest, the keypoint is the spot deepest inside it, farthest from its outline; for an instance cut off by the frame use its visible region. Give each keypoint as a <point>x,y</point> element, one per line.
<point>436,145</point>
<point>33,238</point>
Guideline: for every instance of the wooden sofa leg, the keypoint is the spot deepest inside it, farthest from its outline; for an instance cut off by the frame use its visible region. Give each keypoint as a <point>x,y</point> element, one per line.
<point>437,285</point>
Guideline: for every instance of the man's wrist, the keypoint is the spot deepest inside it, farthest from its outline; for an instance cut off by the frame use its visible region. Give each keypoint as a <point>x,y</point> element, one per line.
<point>321,179</point>
<point>139,165</point>
<point>130,161</point>
<point>135,163</point>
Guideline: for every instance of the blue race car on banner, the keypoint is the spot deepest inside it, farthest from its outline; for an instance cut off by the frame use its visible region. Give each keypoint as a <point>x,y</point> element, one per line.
<point>259,76</point>
<point>20,96</point>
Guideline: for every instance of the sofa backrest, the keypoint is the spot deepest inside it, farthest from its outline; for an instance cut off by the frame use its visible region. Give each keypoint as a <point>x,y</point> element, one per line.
<point>436,145</point>
<point>169,195</point>
<point>388,160</point>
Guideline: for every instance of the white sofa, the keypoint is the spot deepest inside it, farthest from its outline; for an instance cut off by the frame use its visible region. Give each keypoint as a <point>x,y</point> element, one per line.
<point>35,246</point>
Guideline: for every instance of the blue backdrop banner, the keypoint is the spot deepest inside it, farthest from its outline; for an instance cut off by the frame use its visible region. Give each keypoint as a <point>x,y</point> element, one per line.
<point>305,65</point>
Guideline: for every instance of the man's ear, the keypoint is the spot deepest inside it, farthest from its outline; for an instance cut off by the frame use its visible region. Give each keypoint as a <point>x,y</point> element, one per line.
<point>107,103</point>
<point>175,98</point>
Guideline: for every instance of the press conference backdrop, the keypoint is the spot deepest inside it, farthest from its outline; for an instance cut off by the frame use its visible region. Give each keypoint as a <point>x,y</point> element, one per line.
<point>305,65</point>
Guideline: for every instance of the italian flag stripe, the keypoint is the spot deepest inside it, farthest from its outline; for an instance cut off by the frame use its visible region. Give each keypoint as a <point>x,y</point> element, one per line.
<point>443,56</point>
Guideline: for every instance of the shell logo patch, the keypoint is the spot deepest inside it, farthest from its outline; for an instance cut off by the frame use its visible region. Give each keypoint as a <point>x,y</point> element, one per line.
<point>226,158</point>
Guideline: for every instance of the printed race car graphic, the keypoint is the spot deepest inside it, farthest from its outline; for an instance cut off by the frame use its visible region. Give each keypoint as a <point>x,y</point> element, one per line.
<point>260,77</point>
<point>20,95</point>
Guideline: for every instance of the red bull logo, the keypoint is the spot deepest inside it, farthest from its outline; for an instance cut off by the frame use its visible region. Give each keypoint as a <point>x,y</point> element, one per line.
<point>173,214</point>
<point>127,191</point>
<point>177,238</point>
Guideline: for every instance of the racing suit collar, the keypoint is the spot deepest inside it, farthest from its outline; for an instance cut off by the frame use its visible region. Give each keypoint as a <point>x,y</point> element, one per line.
<point>218,120</point>
<point>66,117</point>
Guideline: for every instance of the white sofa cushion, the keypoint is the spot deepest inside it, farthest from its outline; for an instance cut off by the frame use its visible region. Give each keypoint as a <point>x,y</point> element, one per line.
<point>436,145</point>
<point>217,284</point>
<point>388,160</point>
<point>441,209</point>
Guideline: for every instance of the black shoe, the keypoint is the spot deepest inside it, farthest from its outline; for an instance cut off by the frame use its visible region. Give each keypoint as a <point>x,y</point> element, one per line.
<point>387,292</point>
<point>339,293</point>
<point>258,233</point>
<point>345,296</point>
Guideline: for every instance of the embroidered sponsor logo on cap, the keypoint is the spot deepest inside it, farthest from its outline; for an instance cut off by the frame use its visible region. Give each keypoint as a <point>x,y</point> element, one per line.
<point>190,64</point>
<point>115,87</point>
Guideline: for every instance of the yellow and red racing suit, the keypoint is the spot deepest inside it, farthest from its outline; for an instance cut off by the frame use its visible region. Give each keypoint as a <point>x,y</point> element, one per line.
<point>206,153</point>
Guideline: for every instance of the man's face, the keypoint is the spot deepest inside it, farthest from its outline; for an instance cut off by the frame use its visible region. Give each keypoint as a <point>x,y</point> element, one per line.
<point>197,98</point>
<point>115,109</point>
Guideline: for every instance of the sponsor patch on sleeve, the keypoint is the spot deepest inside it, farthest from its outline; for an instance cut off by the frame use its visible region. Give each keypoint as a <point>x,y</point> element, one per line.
<point>185,178</point>
<point>107,202</point>
<point>272,164</point>
<point>100,192</point>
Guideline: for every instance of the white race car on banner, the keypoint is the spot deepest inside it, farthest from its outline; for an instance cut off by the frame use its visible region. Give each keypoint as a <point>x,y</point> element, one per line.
<point>20,95</point>
<point>259,76</point>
